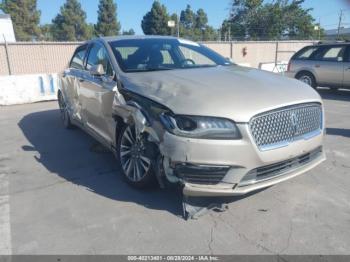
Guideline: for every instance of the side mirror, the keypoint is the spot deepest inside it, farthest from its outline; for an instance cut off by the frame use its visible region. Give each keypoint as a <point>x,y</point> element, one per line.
<point>97,70</point>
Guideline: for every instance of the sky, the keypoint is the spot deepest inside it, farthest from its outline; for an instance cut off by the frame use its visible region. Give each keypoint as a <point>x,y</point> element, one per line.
<point>130,12</point>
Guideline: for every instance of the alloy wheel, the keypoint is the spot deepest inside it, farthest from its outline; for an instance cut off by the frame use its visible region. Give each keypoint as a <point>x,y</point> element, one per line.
<point>133,157</point>
<point>306,79</point>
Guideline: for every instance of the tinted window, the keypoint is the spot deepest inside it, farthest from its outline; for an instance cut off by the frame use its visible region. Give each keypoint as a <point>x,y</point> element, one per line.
<point>98,56</point>
<point>77,61</point>
<point>334,53</point>
<point>152,54</point>
<point>347,54</point>
<point>305,53</point>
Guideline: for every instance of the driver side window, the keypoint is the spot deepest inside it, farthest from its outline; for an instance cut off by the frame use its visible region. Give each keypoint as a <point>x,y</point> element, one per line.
<point>98,55</point>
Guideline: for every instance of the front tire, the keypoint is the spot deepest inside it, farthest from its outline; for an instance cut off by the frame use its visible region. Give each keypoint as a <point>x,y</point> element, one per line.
<point>64,112</point>
<point>307,78</point>
<point>134,156</point>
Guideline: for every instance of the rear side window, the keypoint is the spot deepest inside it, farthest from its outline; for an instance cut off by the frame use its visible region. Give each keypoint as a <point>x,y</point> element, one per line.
<point>305,53</point>
<point>77,61</point>
<point>332,54</point>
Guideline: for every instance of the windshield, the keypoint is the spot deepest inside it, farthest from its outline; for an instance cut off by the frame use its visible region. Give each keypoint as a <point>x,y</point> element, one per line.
<point>142,55</point>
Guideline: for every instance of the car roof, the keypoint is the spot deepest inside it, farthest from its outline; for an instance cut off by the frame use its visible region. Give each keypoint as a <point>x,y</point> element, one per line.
<point>135,37</point>
<point>110,39</point>
<point>332,43</point>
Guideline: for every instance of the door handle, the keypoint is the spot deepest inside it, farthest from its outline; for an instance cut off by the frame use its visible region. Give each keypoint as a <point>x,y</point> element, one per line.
<point>81,80</point>
<point>317,66</point>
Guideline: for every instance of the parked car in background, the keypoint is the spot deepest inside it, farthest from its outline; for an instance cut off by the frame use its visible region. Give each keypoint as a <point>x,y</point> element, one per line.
<point>326,65</point>
<point>173,110</point>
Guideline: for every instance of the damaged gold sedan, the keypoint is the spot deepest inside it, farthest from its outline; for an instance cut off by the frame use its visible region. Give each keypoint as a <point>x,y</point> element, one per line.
<point>175,111</point>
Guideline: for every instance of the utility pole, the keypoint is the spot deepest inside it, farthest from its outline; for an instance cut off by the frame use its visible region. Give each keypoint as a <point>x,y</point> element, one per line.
<point>340,21</point>
<point>319,29</point>
<point>178,25</point>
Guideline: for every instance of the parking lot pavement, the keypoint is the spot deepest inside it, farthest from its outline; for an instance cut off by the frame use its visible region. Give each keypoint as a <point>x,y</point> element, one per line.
<point>59,196</point>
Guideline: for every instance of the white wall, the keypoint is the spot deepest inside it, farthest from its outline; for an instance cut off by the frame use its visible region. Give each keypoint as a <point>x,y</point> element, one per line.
<point>22,89</point>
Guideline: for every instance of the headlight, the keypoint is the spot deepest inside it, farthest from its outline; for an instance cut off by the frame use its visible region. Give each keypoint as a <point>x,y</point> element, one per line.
<point>201,127</point>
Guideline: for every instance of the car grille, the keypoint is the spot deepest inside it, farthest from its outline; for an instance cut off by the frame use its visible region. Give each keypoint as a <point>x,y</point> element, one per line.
<point>281,168</point>
<point>280,127</point>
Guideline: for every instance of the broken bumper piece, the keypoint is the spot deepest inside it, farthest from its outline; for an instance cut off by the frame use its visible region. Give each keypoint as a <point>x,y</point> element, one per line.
<point>236,167</point>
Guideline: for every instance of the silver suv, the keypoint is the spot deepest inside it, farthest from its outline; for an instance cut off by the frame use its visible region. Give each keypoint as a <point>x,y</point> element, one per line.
<point>325,65</point>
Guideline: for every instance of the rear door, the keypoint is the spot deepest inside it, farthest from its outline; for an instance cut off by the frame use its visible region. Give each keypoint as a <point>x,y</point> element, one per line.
<point>71,80</point>
<point>97,94</point>
<point>328,65</point>
<point>346,67</point>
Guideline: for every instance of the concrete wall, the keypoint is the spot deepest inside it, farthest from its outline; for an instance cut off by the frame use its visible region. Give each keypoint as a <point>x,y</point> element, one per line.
<point>21,89</point>
<point>46,58</point>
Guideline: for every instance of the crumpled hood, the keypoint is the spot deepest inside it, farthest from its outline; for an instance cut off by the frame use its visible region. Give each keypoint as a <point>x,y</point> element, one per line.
<point>233,92</point>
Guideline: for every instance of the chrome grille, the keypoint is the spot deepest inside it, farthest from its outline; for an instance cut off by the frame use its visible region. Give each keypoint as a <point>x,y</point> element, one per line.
<point>280,127</point>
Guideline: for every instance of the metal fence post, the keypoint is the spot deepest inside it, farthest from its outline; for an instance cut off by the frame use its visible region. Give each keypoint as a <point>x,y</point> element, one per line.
<point>231,49</point>
<point>276,53</point>
<point>7,56</point>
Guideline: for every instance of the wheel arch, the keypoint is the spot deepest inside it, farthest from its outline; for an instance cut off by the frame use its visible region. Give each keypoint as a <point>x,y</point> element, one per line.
<point>308,72</point>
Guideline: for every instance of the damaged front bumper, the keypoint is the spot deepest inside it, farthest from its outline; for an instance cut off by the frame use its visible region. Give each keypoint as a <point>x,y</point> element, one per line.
<point>235,167</point>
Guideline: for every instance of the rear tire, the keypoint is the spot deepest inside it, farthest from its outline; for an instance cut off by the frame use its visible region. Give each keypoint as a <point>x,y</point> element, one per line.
<point>66,120</point>
<point>307,78</point>
<point>134,158</point>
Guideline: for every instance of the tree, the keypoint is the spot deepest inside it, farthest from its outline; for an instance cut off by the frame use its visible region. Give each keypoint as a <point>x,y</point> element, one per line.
<point>254,19</point>
<point>175,18</point>
<point>194,25</point>
<point>46,33</point>
<point>155,22</point>
<point>70,24</point>
<point>25,18</point>
<point>201,19</point>
<point>129,32</point>
<point>187,18</point>
<point>107,24</point>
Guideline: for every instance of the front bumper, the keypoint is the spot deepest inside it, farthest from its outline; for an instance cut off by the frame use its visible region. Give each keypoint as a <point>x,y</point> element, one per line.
<point>240,157</point>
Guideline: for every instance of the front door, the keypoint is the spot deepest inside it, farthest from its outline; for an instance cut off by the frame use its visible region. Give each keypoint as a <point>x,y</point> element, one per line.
<point>346,69</point>
<point>71,81</point>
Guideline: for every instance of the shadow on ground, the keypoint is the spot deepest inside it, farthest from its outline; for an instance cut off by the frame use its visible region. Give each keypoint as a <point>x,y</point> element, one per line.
<point>69,154</point>
<point>331,94</point>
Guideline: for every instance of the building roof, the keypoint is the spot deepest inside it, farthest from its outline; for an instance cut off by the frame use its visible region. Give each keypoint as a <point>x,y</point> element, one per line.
<point>335,31</point>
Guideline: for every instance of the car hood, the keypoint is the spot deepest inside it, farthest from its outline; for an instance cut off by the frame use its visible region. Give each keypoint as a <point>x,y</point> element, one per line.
<point>233,92</point>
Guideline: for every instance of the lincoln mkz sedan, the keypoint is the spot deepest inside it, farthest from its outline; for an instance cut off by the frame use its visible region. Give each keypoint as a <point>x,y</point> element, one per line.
<point>174,111</point>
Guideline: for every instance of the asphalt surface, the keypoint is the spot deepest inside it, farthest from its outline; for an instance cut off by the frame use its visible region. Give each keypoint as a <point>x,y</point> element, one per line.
<point>60,194</point>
